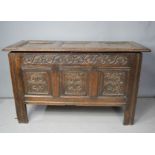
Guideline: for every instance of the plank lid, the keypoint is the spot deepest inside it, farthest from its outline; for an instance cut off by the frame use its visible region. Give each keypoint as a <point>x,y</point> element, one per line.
<point>76,46</point>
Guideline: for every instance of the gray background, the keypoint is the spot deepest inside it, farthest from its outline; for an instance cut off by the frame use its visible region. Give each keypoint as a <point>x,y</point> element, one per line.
<point>142,32</point>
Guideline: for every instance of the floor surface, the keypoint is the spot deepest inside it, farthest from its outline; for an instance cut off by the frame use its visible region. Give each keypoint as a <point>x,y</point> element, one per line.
<point>77,119</point>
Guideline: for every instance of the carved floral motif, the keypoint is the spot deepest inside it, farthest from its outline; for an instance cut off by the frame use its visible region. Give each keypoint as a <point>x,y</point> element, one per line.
<point>36,82</point>
<point>114,83</point>
<point>76,59</point>
<point>75,83</point>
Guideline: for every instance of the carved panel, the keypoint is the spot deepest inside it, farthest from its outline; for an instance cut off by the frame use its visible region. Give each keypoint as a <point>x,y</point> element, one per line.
<point>114,82</point>
<point>36,82</point>
<point>74,83</point>
<point>56,58</point>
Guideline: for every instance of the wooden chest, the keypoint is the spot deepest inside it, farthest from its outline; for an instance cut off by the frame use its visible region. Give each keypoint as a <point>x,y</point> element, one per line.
<point>75,73</point>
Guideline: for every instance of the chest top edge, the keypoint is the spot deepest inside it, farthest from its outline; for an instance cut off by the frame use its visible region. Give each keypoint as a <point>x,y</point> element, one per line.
<point>76,46</point>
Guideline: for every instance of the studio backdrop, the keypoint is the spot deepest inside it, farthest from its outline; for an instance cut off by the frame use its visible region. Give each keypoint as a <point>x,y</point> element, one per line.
<point>141,32</point>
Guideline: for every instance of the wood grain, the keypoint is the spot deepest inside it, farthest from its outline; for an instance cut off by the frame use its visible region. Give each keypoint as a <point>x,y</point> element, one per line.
<point>18,88</point>
<point>107,101</point>
<point>133,90</point>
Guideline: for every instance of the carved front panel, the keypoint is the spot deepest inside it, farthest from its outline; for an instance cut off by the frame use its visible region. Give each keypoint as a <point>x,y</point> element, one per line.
<point>36,82</point>
<point>74,83</point>
<point>114,82</point>
<point>70,58</point>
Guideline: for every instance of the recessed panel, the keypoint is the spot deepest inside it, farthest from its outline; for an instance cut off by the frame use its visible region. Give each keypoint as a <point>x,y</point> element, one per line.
<point>36,83</point>
<point>113,82</point>
<point>74,83</point>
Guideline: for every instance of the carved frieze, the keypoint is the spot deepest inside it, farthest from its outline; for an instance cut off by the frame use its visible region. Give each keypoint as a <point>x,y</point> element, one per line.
<point>75,83</point>
<point>114,83</point>
<point>36,82</point>
<point>56,58</point>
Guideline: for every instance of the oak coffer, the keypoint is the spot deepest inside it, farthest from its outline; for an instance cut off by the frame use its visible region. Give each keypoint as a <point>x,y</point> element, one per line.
<point>75,73</point>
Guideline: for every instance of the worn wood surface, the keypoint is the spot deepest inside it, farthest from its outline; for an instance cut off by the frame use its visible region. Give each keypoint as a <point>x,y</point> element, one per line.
<point>130,107</point>
<point>18,87</point>
<point>74,46</point>
<point>80,79</point>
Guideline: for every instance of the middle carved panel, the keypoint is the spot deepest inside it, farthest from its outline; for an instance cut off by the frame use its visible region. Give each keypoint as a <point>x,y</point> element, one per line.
<point>74,83</point>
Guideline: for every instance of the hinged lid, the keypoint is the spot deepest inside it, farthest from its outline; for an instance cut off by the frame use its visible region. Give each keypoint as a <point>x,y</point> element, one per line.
<point>76,46</point>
